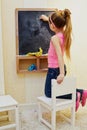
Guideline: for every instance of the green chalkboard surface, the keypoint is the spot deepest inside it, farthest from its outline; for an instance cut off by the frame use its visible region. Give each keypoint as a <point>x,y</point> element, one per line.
<point>32,32</point>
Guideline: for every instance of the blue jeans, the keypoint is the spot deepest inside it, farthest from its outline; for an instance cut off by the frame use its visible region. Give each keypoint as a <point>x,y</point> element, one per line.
<point>52,74</point>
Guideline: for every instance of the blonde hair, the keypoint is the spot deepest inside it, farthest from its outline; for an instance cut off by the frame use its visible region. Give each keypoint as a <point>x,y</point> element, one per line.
<point>62,19</point>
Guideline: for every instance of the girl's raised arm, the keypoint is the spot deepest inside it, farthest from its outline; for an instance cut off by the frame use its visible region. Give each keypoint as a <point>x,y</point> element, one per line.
<point>44,17</point>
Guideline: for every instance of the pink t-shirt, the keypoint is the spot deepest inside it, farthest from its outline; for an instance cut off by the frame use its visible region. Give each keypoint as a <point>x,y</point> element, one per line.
<point>52,56</point>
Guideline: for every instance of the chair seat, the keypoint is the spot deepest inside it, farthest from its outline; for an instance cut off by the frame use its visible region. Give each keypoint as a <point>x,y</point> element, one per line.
<point>59,101</point>
<point>6,101</point>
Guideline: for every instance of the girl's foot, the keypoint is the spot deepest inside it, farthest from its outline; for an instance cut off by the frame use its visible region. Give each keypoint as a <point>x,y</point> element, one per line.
<point>78,101</point>
<point>84,96</point>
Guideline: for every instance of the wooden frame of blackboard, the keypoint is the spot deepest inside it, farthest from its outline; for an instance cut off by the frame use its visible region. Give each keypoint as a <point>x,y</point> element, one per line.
<point>22,61</point>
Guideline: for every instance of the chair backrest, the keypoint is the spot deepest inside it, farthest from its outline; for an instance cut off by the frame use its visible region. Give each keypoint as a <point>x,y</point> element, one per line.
<point>68,86</point>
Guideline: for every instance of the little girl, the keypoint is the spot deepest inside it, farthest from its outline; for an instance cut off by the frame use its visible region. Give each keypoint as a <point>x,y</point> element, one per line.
<point>60,43</point>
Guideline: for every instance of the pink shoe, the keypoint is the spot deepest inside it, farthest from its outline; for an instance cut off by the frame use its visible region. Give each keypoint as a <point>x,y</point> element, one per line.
<point>84,96</point>
<point>78,101</point>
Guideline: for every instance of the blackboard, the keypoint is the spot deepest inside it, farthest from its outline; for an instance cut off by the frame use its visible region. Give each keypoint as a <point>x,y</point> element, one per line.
<point>32,32</point>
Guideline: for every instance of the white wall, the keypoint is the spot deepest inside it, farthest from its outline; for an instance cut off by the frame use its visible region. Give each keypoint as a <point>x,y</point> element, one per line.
<point>1,59</point>
<point>35,3</point>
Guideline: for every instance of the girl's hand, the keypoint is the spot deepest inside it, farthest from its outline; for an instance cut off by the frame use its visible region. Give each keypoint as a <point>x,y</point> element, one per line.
<point>60,78</point>
<point>44,17</point>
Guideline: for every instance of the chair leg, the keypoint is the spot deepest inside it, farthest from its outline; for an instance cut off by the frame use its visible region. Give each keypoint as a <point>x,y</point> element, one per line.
<point>39,112</point>
<point>53,119</point>
<point>17,118</point>
<point>73,116</point>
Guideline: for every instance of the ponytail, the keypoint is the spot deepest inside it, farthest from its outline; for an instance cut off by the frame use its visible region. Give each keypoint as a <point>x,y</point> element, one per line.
<point>67,32</point>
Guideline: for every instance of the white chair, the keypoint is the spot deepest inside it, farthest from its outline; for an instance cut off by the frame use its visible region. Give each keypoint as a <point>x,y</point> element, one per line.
<point>9,105</point>
<point>68,86</point>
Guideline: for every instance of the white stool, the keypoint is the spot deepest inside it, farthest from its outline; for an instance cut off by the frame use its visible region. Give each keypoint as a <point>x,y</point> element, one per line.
<point>7,103</point>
